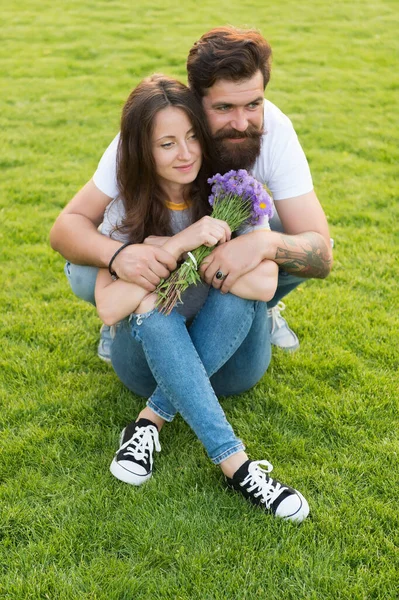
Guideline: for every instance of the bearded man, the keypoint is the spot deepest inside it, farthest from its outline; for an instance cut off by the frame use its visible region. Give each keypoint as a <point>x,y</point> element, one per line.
<point>229,70</point>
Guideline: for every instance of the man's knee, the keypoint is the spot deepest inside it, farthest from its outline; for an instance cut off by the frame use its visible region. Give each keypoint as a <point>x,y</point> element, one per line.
<point>82,279</point>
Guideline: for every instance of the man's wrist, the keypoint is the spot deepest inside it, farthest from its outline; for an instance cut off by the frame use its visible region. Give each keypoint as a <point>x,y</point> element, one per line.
<point>108,250</point>
<point>111,269</point>
<point>266,242</point>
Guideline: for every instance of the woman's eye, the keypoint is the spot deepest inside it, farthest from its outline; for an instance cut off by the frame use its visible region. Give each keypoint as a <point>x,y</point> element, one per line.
<point>167,145</point>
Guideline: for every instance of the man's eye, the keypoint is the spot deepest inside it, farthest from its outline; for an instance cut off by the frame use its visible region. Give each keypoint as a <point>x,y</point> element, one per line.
<point>223,108</point>
<point>253,105</point>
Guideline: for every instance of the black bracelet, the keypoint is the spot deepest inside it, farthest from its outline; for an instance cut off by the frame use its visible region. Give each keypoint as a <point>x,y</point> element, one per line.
<point>111,272</point>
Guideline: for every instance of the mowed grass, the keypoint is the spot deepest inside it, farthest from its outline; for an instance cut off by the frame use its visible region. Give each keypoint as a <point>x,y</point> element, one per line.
<point>326,417</point>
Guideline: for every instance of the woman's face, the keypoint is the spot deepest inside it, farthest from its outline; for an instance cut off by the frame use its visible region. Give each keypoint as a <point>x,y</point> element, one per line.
<point>176,150</point>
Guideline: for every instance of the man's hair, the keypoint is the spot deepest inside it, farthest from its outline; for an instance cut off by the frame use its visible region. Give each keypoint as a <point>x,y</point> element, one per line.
<point>227,53</point>
<point>144,201</point>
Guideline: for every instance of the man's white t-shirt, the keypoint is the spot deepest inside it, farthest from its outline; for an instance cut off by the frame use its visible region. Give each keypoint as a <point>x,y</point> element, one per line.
<point>281,164</point>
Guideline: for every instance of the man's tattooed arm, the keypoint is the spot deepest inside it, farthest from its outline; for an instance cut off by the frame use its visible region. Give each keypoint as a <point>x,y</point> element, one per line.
<point>305,255</point>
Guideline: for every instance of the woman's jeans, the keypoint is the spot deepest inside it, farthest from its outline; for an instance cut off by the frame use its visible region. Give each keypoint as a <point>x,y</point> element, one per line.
<point>225,351</point>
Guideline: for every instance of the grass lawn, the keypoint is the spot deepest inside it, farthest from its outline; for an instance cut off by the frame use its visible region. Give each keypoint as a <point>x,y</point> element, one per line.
<point>326,417</point>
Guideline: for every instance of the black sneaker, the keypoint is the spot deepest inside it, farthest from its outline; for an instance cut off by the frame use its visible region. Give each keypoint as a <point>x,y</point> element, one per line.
<point>133,461</point>
<point>271,495</point>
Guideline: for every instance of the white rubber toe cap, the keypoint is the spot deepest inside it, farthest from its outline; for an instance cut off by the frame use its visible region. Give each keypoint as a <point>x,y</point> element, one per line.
<point>122,471</point>
<point>293,508</point>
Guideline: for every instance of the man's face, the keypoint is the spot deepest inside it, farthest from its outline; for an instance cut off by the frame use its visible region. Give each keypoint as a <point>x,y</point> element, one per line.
<point>234,110</point>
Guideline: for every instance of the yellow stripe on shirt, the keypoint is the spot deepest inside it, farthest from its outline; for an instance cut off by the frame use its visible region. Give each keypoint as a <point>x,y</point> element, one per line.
<point>176,205</point>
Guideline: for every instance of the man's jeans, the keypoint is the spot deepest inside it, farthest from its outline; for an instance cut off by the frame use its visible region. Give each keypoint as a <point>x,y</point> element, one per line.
<point>82,279</point>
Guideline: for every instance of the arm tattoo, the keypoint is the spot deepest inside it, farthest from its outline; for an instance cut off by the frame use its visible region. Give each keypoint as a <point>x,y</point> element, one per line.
<point>306,255</point>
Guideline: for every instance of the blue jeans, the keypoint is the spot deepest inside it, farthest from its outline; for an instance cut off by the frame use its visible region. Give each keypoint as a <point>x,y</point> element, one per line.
<point>226,350</point>
<point>82,279</point>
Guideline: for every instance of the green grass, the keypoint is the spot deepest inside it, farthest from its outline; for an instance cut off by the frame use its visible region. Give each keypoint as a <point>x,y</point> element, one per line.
<point>326,417</point>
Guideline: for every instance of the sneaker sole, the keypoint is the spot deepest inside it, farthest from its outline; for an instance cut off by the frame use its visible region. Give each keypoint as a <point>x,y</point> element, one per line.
<point>285,349</point>
<point>127,476</point>
<point>106,359</point>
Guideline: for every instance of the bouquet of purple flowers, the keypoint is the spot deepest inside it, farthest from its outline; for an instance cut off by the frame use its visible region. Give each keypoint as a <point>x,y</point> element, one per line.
<point>236,198</point>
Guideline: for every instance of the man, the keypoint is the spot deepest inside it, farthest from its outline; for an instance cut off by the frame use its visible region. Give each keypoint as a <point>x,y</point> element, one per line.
<point>229,70</point>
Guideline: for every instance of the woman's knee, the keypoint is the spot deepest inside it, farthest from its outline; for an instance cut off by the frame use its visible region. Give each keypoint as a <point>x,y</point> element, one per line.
<point>228,308</point>
<point>235,387</point>
<point>232,379</point>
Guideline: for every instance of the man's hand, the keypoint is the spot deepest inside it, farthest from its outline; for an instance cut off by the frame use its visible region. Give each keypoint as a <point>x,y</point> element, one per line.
<point>144,265</point>
<point>234,259</point>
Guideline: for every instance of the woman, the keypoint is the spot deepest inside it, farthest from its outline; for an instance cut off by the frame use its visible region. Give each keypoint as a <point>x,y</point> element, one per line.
<point>213,342</point>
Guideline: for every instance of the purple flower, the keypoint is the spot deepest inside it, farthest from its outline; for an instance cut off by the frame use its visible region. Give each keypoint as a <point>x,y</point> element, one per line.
<point>242,185</point>
<point>236,198</point>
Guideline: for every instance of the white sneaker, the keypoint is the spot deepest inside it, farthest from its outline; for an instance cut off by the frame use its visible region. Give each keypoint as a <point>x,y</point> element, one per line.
<point>107,334</point>
<point>280,334</point>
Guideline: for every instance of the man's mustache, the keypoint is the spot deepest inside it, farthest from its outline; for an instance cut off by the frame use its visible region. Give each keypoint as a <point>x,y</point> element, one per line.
<point>251,132</point>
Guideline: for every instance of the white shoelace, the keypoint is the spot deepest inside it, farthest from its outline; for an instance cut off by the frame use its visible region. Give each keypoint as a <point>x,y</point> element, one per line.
<point>274,314</point>
<point>266,487</point>
<point>141,444</point>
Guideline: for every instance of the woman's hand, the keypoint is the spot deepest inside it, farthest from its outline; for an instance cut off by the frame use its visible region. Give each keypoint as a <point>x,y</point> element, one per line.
<point>156,240</point>
<point>207,231</point>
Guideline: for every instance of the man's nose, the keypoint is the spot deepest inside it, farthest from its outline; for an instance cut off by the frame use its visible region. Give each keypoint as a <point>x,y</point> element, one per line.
<point>239,121</point>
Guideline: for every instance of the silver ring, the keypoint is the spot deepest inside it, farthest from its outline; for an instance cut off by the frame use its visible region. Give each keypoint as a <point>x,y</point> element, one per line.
<point>220,275</point>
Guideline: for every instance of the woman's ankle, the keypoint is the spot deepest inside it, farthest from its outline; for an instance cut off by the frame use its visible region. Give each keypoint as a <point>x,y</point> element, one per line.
<point>233,463</point>
<point>149,414</point>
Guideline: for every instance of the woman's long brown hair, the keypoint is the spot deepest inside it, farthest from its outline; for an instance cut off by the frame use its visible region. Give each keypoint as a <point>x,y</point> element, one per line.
<point>144,201</point>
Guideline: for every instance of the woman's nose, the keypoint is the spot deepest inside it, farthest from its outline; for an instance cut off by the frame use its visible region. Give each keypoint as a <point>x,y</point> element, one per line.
<point>184,152</point>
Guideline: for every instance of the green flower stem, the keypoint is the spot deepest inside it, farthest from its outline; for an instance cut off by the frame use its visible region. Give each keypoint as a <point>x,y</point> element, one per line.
<point>229,208</point>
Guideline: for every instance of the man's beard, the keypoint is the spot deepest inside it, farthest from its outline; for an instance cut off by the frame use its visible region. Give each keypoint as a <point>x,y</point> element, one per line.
<point>241,155</point>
